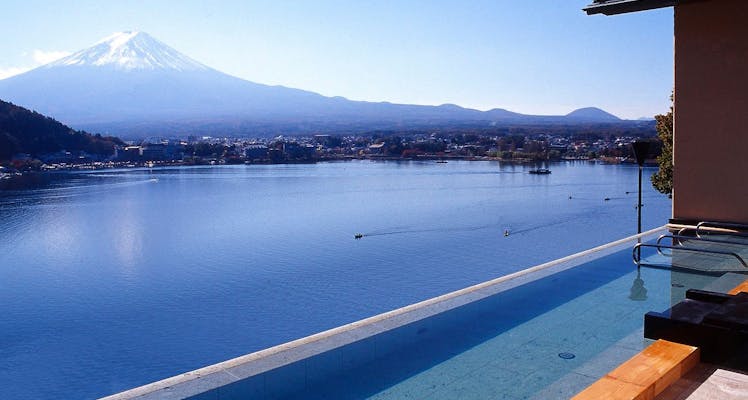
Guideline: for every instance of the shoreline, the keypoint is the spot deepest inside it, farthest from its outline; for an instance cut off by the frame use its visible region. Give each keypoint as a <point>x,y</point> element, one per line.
<point>96,166</point>
<point>104,165</point>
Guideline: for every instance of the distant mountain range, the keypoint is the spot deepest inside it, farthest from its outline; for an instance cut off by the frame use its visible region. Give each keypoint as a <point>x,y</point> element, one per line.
<point>131,84</point>
<point>592,114</point>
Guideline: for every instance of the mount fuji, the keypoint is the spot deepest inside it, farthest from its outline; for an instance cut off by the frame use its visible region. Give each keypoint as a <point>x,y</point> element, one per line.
<point>131,84</point>
<point>127,51</point>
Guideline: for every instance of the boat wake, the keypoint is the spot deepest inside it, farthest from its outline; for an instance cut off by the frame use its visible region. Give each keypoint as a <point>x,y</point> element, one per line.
<point>537,227</point>
<point>427,230</point>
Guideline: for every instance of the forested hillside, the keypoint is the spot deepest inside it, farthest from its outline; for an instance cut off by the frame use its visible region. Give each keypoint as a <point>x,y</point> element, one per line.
<point>25,131</point>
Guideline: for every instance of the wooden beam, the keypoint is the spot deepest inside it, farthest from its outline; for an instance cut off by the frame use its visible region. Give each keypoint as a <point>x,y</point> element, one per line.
<point>644,375</point>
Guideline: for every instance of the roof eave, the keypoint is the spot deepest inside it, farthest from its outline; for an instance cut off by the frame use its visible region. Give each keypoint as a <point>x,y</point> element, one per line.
<point>613,7</point>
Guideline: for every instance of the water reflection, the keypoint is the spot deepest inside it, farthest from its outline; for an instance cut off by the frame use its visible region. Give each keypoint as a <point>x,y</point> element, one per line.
<point>128,239</point>
<point>638,291</point>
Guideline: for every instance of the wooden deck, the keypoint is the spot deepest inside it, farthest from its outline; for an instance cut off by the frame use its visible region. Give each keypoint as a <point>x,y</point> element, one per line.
<point>708,382</point>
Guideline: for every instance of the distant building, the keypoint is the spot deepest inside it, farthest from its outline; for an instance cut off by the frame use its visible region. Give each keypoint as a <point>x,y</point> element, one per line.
<point>376,148</point>
<point>19,160</point>
<point>129,153</point>
<point>322,139</point>
<point>256,152</point>
<point>296,151</point>
<point>275,156</point>
<point>59,157</point>
<point>561,148</point>
<point>174,150</point>
<point>153,152</point>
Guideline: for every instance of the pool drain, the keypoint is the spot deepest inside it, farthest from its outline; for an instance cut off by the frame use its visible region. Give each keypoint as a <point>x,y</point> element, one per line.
<point>566,356</point>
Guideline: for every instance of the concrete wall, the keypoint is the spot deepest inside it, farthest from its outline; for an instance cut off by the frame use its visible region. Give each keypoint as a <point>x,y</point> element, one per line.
<point>711,111</point>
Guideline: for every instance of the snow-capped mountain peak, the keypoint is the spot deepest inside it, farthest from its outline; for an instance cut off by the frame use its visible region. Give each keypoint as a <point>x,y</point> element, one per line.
<point>130,50</point>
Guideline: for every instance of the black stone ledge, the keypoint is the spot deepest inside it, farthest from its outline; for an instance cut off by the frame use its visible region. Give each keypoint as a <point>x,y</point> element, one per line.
<point>716,323</point>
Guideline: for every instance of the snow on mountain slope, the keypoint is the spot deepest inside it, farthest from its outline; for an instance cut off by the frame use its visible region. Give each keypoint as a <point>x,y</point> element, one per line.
<point>130,51</point>
<point>131,84</point>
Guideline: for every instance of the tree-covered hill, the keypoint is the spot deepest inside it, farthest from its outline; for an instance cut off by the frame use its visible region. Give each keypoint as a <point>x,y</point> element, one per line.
<point>25,131</point>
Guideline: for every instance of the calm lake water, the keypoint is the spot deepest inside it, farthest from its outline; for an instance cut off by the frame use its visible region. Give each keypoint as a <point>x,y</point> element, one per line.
<point>114,279</point>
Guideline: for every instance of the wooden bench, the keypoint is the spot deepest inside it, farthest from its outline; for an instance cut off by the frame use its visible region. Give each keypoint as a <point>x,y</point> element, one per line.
<point>646,374</point>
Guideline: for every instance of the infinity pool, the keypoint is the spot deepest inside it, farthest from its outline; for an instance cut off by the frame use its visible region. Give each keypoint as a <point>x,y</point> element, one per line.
<point>113,279</point>
<point>544,333</point>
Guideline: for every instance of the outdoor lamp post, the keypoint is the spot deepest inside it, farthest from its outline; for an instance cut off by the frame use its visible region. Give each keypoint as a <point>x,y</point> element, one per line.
<point>641,149</point>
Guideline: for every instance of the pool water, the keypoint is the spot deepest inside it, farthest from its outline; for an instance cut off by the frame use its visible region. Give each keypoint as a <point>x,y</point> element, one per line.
<point>546,339</point>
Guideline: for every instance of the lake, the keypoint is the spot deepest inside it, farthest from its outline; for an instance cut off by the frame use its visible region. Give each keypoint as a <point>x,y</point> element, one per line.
<point>115,278</point>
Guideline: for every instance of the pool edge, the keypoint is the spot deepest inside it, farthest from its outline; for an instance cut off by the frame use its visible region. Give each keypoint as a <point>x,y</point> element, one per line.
<point>214,376</point>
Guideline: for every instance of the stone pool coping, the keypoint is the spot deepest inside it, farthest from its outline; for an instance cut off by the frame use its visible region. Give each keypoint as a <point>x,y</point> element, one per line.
<point>211,377</point>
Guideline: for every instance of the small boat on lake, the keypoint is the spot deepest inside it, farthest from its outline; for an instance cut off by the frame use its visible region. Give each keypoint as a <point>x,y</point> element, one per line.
<point>358,236</point>
<point>540,171</point>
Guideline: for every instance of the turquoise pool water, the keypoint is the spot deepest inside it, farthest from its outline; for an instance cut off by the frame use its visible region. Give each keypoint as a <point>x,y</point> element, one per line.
<point>546,339</point>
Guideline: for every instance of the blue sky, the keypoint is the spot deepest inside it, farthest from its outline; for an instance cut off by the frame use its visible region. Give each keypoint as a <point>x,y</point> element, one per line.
<point>539,57</point>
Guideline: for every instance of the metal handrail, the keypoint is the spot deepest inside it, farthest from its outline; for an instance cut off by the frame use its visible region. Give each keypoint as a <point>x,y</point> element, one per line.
<point>682,231</point>
<point>730,228</point>
<point>636,253</point>
<point>678,239</point>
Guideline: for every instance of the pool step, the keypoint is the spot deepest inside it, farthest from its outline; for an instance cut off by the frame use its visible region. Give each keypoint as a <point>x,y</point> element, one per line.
<point>644,375</point>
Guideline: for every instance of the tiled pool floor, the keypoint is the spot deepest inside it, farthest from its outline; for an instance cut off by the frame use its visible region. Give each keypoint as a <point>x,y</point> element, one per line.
<point>495,357</point>
<point>514,364</point>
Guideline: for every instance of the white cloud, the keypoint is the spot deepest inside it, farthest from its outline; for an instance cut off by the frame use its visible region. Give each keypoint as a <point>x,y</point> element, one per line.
<point>10,71</point>
<point>42,57</point>
<point>39,57</point>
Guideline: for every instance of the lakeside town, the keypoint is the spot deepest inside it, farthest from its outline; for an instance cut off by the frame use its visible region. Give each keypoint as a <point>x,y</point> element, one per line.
<point>206,150</point>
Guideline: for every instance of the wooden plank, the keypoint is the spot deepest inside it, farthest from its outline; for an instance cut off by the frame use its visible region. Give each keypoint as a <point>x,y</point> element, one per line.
<point>743,287</point>
<point>612,389</point>
<point>646,374</point>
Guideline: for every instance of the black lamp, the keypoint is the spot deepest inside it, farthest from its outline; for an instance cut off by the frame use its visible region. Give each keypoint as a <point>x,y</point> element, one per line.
<point>641,150</point>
